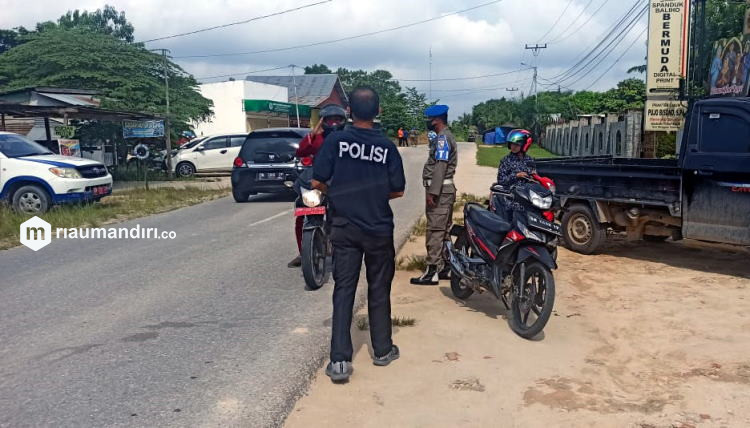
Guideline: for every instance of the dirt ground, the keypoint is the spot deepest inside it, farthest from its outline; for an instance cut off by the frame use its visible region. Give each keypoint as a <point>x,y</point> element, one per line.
<point>643,335</point>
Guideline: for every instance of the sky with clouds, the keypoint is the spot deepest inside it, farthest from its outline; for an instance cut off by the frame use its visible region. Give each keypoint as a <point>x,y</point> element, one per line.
<point>487,40</point>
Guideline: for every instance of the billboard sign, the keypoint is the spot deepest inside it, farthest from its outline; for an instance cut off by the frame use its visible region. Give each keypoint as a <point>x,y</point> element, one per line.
<point>142,128</point>
<point>667,115</point>
<point>69,147</point>
<point>667,45</point>
<point>730,67</point>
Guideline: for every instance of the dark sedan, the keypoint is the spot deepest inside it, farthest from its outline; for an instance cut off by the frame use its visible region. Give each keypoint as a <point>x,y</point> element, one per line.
<point>267,162</point>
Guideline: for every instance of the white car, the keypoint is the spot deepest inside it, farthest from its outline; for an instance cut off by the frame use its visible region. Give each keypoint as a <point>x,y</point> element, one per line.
<point>208,154</point>
<point>32,178</point>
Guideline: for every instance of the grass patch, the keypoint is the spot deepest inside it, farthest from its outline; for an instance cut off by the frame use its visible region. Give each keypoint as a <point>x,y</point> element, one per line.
<point>420,229</point>
<point>120,206</point>
<point>412,263</point>
<point>492,155</point>
<point>134,174</point>
<point>363,324</point>
<point>465,198</point>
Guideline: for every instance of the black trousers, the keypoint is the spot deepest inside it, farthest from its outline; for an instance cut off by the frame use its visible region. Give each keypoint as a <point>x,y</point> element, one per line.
<point>350,245</point>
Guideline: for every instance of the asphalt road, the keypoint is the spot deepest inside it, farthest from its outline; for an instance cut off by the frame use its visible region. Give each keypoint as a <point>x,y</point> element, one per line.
<point>209,329</point>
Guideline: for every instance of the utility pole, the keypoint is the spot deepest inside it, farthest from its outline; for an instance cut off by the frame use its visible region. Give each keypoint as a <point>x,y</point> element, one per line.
<point>296,99</point>
<point>430,91</point>
<point>167,131</point>
<point>535,49</point>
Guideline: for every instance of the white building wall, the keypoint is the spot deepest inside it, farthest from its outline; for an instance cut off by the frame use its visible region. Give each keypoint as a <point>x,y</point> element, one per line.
<point>229,116</point>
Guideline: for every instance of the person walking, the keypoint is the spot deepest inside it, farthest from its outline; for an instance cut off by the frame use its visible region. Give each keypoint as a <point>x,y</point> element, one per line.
<point>400,134</point>
<point>440,194</point>
<point>364,171</point>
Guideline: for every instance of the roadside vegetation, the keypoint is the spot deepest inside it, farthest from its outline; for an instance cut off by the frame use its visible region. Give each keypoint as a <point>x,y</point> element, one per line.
<point>492,155</point>
<point>118,207</point>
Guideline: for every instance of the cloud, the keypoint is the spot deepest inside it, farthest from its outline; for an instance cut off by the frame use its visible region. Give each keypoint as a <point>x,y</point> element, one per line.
<point>488,40</point>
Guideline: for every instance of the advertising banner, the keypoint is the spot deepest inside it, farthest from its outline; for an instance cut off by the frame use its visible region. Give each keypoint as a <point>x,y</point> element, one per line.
<point>730,67</point>
<point>668,115</point>
<point>142,128</point>
<point>667,45</point>
<point>69,147</point>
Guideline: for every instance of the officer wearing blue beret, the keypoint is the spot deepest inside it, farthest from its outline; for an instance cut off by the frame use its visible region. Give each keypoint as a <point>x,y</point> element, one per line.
<point>440,194</point>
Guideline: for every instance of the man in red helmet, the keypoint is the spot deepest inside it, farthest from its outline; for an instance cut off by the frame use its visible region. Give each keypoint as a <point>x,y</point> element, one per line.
<point>332,118</point>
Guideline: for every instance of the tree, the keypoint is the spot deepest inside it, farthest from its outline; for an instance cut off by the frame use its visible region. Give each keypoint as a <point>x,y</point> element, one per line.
<point>106,21</point>
<point>318,69</point>
<point>127,76</point>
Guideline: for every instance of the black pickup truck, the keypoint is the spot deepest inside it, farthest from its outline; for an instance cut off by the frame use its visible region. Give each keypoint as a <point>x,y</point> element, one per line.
<point>704,194</point>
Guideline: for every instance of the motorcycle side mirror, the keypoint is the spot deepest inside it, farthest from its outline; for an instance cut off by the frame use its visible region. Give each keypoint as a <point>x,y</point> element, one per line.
<point>497,188</point>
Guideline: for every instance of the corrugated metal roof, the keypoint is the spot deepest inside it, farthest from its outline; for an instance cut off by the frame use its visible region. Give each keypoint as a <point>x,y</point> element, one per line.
<point>312,89</point>
<point>70,99</point>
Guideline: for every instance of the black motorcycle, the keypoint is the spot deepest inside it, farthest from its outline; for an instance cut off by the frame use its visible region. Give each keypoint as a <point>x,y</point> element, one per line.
<point>316,249</point>
<point>511,253</point>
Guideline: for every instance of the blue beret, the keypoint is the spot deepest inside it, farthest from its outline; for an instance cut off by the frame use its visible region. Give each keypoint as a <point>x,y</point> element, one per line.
<point>436,110</point>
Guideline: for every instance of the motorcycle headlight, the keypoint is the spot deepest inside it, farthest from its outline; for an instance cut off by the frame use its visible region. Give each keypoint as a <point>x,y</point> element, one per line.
<point>311,198</point>
<point>540,202</point>
<point>65,172</point>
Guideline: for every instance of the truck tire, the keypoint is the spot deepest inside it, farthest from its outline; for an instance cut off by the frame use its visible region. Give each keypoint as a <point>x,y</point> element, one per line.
<point>31,199</point>
<point>582,232</point>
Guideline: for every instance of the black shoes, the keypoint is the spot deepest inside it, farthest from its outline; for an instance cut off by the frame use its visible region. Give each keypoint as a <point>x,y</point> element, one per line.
<point>295,263</point>
<point>387,358</point>
<point>429,277</point>
<point>445,273</point>
<point>339,371</point>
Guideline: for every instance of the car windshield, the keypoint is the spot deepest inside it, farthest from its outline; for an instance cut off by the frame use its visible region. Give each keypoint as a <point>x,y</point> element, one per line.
<point>192,143</point>
<point>16,146</point>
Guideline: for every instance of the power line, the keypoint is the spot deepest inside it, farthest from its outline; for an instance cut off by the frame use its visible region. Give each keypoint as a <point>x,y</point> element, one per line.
<point>372,33</point>
<point>257,18</point>
<point>243,73</point>
<point>607,50</point>
<point>602,39</point>
<point>558,40</point>
<point>463,78</point>
<point>617,60</point>
<point>573,21</point>
<point>557,21</point>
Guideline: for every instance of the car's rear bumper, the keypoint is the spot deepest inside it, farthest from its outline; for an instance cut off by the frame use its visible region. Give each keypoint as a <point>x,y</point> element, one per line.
<point>245,180</point>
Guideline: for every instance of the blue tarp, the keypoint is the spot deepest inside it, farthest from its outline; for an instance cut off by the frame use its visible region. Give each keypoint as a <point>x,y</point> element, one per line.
<point>496,137</point>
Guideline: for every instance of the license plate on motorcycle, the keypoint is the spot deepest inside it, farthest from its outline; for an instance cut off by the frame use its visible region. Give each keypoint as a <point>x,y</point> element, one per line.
<point>301,212</point>
<point>544,224</point>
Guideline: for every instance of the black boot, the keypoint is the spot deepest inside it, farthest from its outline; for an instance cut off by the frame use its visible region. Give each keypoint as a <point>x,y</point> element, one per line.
<point>429,277</point>
<point>445,273</point>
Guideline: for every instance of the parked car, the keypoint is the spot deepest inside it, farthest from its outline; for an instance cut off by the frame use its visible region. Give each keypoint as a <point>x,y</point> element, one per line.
<point>267,162</point>
<point>703,195</point>
<point>33,179</point>
<point>207,154</point>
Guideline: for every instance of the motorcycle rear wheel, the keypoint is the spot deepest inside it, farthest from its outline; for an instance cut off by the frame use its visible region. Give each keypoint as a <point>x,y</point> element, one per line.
<point>315,258</point>
<point>460,291</point>
<point>529,316</point>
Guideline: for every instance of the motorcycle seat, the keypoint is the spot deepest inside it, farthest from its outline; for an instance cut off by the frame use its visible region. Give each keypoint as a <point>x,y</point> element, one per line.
<point>488,220</point>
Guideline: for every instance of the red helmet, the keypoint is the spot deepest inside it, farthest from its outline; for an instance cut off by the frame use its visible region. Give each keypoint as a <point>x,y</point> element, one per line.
<point>521,137</point>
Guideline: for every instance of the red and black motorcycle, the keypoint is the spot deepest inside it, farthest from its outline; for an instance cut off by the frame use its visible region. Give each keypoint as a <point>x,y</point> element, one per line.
<point>510,252</point>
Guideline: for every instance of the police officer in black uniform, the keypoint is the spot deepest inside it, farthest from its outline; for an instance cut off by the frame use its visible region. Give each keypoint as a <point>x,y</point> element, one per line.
<point>364,172</point>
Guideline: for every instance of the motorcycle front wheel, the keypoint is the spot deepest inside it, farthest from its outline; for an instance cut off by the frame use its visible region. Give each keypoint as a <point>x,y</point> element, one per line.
<point>315,258</point>
<point>530,313</point>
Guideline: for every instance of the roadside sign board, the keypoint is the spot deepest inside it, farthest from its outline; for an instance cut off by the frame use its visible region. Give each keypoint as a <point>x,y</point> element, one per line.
<point>69,147</point>
<point>142,128</point>
<point>667,45</point>
<point>667,115</point>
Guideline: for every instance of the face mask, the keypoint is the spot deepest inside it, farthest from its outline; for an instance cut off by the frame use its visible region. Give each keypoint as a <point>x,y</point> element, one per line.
<point>430,126</point>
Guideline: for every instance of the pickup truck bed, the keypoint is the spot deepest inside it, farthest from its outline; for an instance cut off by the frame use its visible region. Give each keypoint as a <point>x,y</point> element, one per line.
<point>650,182</point>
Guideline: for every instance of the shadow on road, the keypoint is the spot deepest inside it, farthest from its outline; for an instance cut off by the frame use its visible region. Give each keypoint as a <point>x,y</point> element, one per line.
<point>700,256</point>
<point>273,197</point>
